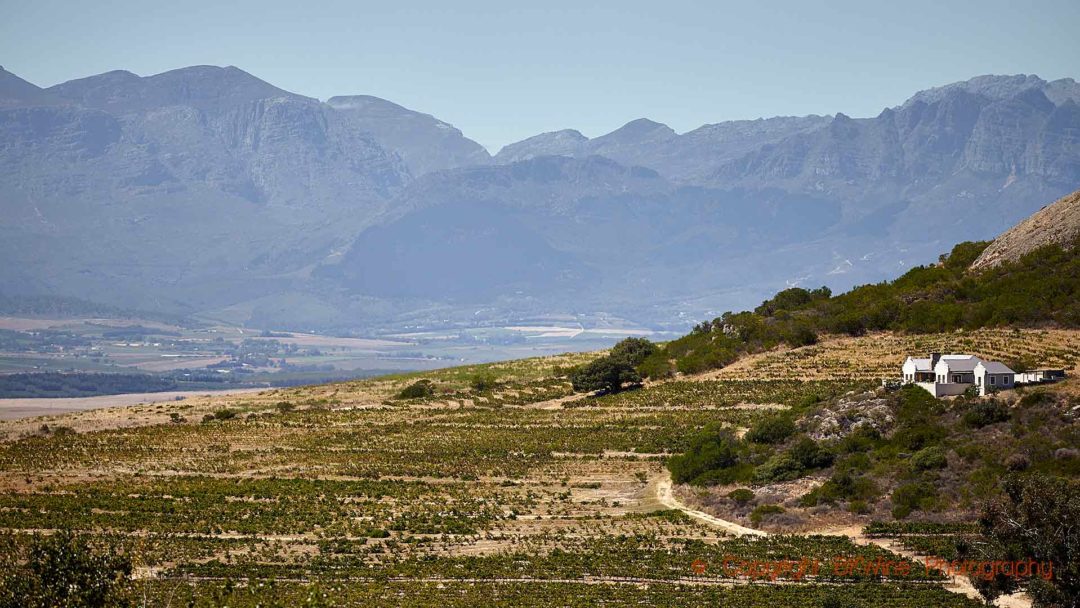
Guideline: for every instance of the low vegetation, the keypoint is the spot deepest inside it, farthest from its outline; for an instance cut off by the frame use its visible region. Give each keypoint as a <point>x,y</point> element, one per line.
<point>927,299</point>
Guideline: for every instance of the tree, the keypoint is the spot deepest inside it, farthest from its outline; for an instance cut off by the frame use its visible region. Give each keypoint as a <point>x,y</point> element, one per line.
<point>632,351</point>
<point>1037,518</point>
<point>64,570</point>
<point>606,374</point>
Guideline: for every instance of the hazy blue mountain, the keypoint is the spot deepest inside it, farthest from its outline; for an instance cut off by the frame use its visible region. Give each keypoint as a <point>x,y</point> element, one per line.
<point>425,143</point>
<point>685,157</point>
<point>181,190</point>
<point>567,142</point>
<point>208,191</point>
<point>15,91</point>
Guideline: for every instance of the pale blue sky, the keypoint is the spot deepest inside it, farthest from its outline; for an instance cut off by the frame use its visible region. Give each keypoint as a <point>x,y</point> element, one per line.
<point>501,73</point>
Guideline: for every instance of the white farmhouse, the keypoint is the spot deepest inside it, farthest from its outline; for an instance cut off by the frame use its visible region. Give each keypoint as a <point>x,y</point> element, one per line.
<point>943,375</point>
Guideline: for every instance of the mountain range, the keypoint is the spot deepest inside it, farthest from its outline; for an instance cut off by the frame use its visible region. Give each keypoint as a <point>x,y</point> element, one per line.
<point>206,191</point>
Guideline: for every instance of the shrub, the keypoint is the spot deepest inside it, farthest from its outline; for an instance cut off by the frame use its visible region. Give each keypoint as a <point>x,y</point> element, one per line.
<point>483,382</point>
<point>761,511</point>
<point>843,485</point>
<point>656,366</point>
<point>984,413</point>
<point>859,507</point>
<point>809,454</point>
<point>781,467</point>
<point>741,495</point>
<point>417,390</point>
<point>225,414</point>
<point>771,430</point>
<point>929,458</point>
<point>710,451</point>
<point>1017,462</point>
<point>913,496</point>
<point>861,439</point>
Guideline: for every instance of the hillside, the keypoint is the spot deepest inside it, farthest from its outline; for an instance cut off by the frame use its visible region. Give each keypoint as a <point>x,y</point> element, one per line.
<point>512,483</point>
<point>1033,282</point>
<point>206,191</point>
<point>1057,223</point>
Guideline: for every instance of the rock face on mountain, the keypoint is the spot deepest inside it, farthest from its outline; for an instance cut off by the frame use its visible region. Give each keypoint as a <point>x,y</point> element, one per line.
<point>567,142</point>
<point>1057,223</point>
<point>207,190</point>
<point>425,143</point>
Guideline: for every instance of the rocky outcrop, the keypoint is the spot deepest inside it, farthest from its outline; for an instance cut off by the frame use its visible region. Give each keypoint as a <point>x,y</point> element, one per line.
<point>1057,223</point>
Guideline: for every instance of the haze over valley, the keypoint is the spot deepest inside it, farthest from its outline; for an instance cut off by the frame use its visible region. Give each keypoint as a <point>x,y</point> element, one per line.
<point>208,193</point>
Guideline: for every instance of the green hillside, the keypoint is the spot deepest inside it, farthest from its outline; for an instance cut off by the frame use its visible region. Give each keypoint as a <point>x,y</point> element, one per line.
<point>1039,290</point>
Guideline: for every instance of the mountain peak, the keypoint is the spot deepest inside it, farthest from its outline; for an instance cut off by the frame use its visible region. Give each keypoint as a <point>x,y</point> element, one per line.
<point>410,133</point>
<point>363,102</point>
<point>993,86</point>
<point>205,87</point>
<point>15,91</point>
<point>566,142</point>
<point>642,126</point>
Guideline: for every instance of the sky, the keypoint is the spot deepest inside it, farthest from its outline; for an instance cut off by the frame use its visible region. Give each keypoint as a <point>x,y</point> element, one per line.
<point>501,72</point>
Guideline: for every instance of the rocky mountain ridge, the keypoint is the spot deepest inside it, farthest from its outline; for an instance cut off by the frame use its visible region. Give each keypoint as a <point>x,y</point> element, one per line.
<point>208,191</point>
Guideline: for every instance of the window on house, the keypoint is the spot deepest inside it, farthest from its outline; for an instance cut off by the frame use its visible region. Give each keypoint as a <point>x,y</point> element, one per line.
<point>992,379</point>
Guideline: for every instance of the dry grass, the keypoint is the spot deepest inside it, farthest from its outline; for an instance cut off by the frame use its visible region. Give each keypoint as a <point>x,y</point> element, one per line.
<point>881,355</point>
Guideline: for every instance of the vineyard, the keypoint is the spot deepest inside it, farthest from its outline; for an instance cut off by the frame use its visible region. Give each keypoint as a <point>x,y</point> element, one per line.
<point>881,355</point>
<point>497,486</point>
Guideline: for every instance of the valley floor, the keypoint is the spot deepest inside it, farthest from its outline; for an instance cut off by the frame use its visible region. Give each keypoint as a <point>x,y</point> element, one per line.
<point>517,495</point>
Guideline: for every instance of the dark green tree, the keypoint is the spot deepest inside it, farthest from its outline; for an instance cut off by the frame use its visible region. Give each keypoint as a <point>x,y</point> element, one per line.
<point>604,374</point>
<point>632,351</point>
<point>63,570</point>
<point>1038,517</point>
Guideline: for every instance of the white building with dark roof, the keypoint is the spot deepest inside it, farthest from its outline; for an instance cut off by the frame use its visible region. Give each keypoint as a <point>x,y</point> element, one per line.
<point>953,374</point>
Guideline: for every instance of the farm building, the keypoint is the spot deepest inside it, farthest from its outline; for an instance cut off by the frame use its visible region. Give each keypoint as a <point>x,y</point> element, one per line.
<point>944,375</point>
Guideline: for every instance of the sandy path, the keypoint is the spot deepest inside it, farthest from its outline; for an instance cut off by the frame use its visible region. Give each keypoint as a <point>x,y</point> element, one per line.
<point>667,498</point>
<point>956,584</point>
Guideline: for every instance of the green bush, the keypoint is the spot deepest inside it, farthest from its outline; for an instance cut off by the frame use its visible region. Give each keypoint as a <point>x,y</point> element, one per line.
<point>711,451</point>
<point>761,511</point>
<point>843,485</point>
<point>986,412</point>
<point>929,458</point>
<point>913,496</point>
<point>483,382</point>
<point>809,454</point>
<point>606,374</point>
<point>741,495</point>
<point>771,430</point>
<point>656,366</point>
<point>225,414</point>
<point>417,390</point>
